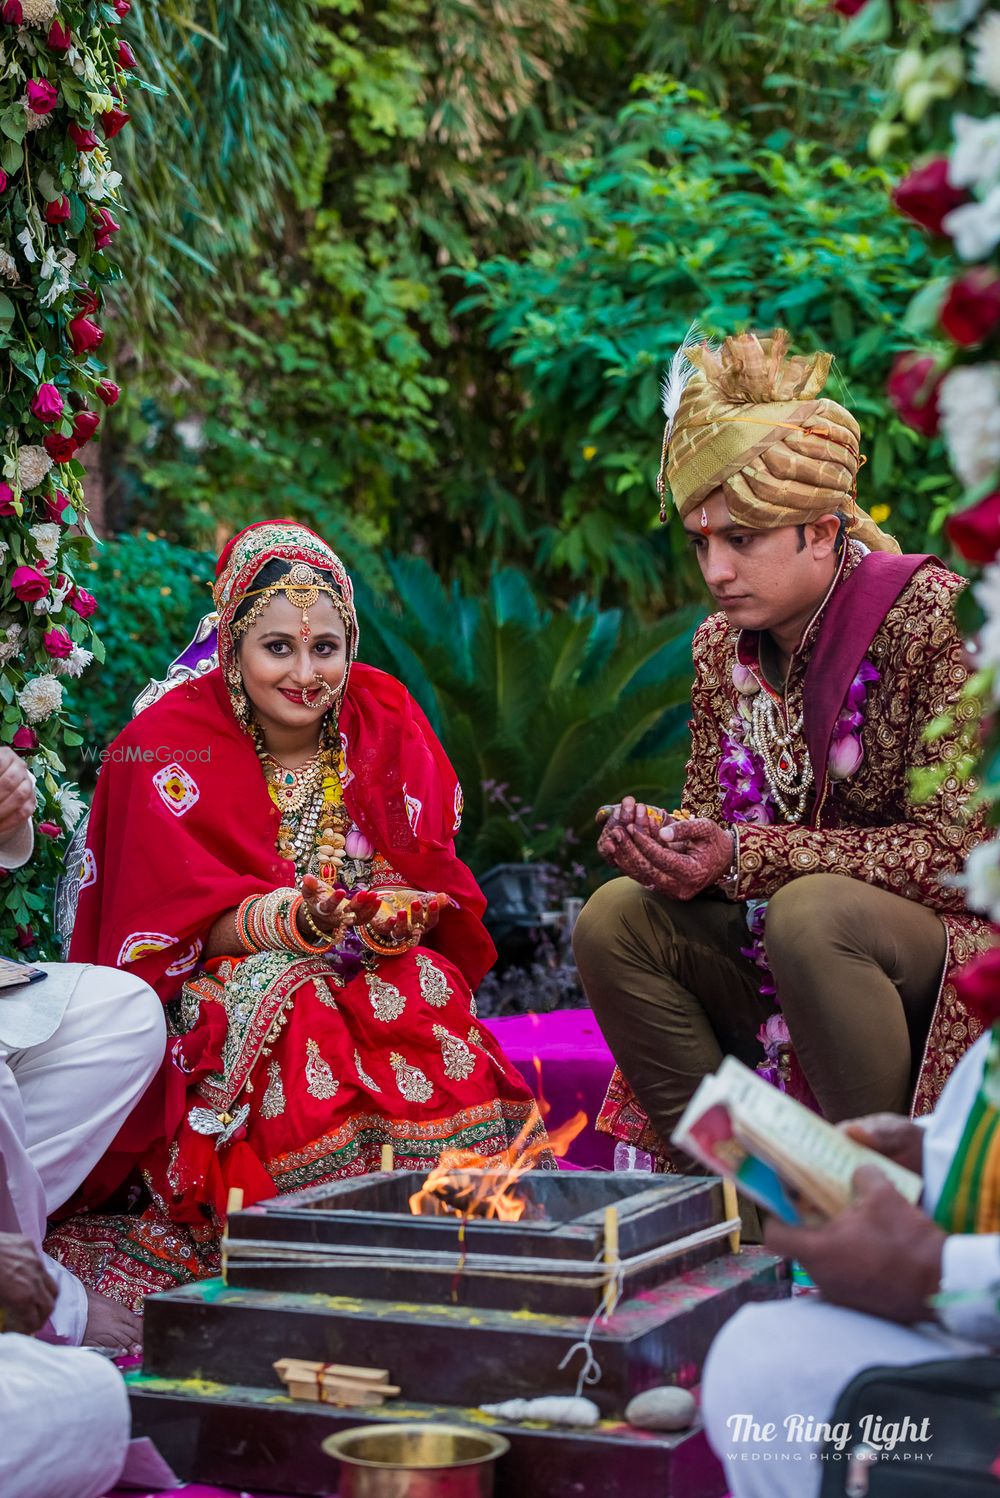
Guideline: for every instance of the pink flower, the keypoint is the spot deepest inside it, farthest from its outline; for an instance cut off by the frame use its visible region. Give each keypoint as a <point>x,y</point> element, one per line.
<point>106,227</point>
<point>25,739</point>
<point>122,8</point>
<point>84,140</point>
<point>54,507</point>
<point>357,845</point>
<point>59,448</point>
<point>7,500</point>
<point>744,680</point>
<point>773,1034</point>
<point>42,96</point>
<point>47,404</point>
<point>85,424</point>
<point>57,212</point>
<point>60,38</point>
<point>84,335</point>
<point>108,391</point>
<point>57,644</point>
<point>82,602</point>
<point>50,829</point>
<point>3,180</point>
<point>28,584</point>
<point>846,755</point>
<point>112,121</point>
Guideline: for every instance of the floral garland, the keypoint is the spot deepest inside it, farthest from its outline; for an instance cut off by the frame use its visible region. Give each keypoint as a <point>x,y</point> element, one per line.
<point>747,798</point>
<point>63,73</point>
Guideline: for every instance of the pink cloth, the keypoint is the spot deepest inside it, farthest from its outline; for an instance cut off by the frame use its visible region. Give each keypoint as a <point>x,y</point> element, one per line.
<point>573,1070</point>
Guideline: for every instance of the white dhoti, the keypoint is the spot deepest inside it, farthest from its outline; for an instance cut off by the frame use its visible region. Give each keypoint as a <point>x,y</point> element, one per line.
<point>64,1419</point>
<point>62,1101</point>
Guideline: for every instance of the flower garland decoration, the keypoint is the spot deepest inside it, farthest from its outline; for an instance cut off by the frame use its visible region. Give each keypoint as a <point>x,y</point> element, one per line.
<point>64,72</point>
<point>746,797</point>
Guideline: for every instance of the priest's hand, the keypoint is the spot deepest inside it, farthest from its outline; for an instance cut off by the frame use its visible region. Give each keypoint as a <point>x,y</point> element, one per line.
<point>17,792</point>
<point>408,925</point>
<point>879,1255</point>
<point>679,859</point>
<point>333,909</point>
<point>892,1135</point>
<point>27,1290</point>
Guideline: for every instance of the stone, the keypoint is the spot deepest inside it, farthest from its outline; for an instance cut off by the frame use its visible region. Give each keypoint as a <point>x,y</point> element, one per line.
<point>665,1408</point>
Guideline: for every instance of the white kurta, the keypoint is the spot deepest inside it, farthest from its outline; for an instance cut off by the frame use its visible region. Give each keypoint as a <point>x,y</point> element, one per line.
<point>783,1365</point>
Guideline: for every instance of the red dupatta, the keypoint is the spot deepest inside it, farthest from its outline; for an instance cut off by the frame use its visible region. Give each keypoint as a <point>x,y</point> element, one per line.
<point>182,828</point>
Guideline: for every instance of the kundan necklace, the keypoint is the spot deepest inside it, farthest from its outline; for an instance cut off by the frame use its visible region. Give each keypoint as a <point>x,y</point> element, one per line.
<point>314,819</point>
<point>767,736</point>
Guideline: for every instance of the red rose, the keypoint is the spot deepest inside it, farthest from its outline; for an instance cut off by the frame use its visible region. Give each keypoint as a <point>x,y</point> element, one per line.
<point>50,829</point>
<point>7,500</point>
<point>87,301</point>
<point>971,310</point>
<point>57,644</point>
<point>85,424</point>
<point>975,532</point>
<point>926,195</point>
<point>105,228</point>
<point>54,507</point>
<point>84,335</point>
<point>28,584</point>
<point>913,391</point>
<point>978,986</point>
<point>57,212</point>
<point>849,7</point>
<point>25,937</point>
<point>3,180</point>
<point>47,404</point>
<point>12,12</point>
<point>82,602</point>
<point>108,391</point>
<point>126,57</point>
<point>60,38</point>
<point>122,8</point>
<point>84,140</point>
<point>59,448</point>
<point>42,96</point>
<point>114,120</point>
<point>25,739</point>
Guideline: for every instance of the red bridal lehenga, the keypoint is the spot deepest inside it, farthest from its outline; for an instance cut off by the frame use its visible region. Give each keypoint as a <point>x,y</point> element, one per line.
<point>283,1070</point>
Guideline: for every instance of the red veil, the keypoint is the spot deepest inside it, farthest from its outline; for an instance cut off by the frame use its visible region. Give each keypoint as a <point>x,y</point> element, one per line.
<point>182,829</point>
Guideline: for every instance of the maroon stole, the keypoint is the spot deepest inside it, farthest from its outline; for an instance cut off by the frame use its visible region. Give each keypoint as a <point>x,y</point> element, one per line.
<point>850,622</point>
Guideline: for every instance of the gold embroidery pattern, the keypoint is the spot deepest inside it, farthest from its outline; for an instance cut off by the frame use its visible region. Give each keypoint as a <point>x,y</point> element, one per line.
<point>387,1001</point>
<point>434,986</point>
<point>459,1062</point>
<point>363,1076</point>
<point>413,1084</point>
<point>273,1102</point>
<point>320,1081</point>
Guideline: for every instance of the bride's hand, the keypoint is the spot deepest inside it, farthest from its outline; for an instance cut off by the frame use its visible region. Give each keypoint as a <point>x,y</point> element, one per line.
<point>333,909</point>
<point>410,923</point>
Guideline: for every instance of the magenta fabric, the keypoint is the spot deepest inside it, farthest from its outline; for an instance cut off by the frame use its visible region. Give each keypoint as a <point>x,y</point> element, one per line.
<point>576,1066</point>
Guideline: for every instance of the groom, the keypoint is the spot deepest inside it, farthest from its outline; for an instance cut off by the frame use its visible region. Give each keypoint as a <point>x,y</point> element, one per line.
<point>828,690</point>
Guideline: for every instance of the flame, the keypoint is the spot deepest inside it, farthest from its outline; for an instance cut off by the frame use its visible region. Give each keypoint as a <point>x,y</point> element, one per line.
<point>464,1184</point>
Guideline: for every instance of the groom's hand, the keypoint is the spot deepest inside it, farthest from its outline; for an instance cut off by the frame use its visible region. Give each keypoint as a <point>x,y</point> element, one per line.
<point>678,858</point>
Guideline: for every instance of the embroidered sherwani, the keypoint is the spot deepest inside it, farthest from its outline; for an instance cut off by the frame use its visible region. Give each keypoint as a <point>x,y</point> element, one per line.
<point>870,827</point>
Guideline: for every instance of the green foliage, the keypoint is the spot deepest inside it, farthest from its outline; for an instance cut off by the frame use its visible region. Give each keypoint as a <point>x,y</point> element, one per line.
<point>546,715</point>
<point>674,214</point>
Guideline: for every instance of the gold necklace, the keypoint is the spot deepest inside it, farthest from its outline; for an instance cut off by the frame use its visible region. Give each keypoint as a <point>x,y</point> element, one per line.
<point>291,789</point>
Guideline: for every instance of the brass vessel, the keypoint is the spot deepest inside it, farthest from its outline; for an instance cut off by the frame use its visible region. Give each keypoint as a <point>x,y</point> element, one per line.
<point>416,1461</point>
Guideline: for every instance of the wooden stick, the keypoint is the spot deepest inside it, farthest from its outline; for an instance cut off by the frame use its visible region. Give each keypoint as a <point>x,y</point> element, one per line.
<point>387,1163</point>
<point>731,1208</point>
<point>611,1258</point>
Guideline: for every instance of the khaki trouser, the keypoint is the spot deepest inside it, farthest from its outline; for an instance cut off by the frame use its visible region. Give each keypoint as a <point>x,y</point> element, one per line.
<point>857,972</point>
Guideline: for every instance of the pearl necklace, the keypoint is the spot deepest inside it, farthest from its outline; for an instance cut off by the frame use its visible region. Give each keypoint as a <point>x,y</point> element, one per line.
<point>771,742</point>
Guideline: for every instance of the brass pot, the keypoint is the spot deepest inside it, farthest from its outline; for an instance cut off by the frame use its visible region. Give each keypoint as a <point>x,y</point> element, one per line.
<point>416,1461</point>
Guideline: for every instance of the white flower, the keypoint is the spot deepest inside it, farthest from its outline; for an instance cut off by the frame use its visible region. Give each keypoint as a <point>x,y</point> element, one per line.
<point>975,159</point>
<point>27,244</point>
<point>75,663</point>
<point>975,227</point>
<point>40,13</point>
<point>970,419</point>
<point>12,644</point>
<point>97,179</point>
<point>33,464</point>
<point>46,538</point>
<point>954,15</point>
<point>71,805</point>
<point>981,880</point>
<point>987,592</point>
<point>986,52</point>
<point>191,431</point>
<point>40,698</point>
<point>8,266</point>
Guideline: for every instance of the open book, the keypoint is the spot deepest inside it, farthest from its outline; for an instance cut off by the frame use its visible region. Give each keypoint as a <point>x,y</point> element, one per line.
<point>780,1153</point>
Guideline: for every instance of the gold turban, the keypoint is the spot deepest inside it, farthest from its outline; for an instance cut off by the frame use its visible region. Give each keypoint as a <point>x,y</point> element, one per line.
<point>750,422</point>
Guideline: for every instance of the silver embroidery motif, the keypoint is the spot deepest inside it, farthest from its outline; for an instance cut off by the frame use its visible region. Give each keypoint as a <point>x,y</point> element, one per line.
<point>363,1076</point>
<point>387,1001</point>
<point>434,986</point>
<point>273,1102</point>
<point>320,1082</point>
<point>459,1062</point>
<point>413,1084</point>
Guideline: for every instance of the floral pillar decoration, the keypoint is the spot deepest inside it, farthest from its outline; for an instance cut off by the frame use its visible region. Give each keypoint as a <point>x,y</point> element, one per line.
<point>64,70</point>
